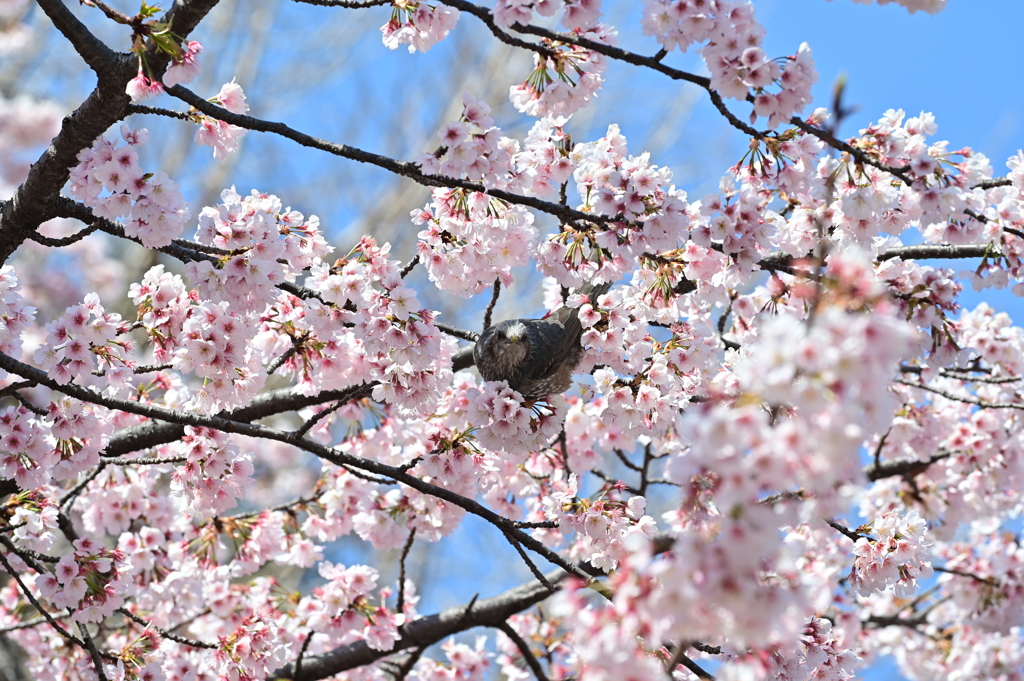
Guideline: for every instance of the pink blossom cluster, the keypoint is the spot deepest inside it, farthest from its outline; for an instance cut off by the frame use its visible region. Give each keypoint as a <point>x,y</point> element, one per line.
<point>156,209</point>
<point>606,640</point>
<point>267,243</point>
<point>341,609</point>
<point>545,162</point>
<point>605,526</point>
<point>895,555</point>
<point>734,53</point>
<point>506,423</point>
<point>983,580</point>
<point>735,220</point>
<point>821,655</point>
<point>614,184</point>
<point>186,67</point>
<point>214,345</point>
<point>92,580</point>
<point>214,476</point>
<point>28,451</point>
<point>84,339</point>
<point>407,350</point>
<point>418,24</point>
<point>364,326</point>
<point>253,650</point>
<point>35,518</point>
<point>471,238</point>
<point>470,663</point>
<point>566,78</point>
<point>163,306</point>
<point>223,137</point>
<point>15,315</point>
<point>579,14</point>
<point>471,147</point>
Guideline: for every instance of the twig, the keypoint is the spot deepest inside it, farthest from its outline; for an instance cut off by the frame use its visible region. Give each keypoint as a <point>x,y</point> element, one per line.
<point>66,241</point>
<point>847,532</point>
<point>470,336</point>
<point>32,599</point>
<point>490,306</point>
<point>302,653</point>
<point>69,498</point>
<point>164,633</point>
<point>529,563</point>
<point>409,267</point>
<point>524,649</point>
<point>959,398</point>
<point>90,645</point>
<point>143,461</point>
<point>400,607</point>
<point>27,403</point>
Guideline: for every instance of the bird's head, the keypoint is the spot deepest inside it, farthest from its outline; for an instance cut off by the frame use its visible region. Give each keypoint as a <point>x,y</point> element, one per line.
<point>510,344</point>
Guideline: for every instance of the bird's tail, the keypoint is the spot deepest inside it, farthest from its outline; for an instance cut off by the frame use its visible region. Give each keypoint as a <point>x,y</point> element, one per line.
<point>594,291</point>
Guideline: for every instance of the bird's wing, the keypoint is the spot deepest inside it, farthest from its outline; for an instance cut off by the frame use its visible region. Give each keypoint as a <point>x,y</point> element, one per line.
<point>551,345</point>
<point>569,317</point>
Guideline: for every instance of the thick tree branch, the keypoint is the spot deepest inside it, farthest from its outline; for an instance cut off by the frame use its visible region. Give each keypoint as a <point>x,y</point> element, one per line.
<point>405,169</point>
<point>33,201</point>
<point>327,453</point>
<point>91,49</point>
<point>426,631</point>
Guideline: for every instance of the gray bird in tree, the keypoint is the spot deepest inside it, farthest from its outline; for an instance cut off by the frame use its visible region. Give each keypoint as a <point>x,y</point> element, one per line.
<point>536,356</point>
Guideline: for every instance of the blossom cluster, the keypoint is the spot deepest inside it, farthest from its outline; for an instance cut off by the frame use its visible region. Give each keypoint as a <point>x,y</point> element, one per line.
<point>471,238</point>
<point>223,137</point>
<point>265,244</point>
<point>418,24</point>
<point>895,555</point>
<point>734,53</point>
<point>15,315</point>
<point>83,339</point>
<point>565,77</point>
<point>213,476</point>
<point>577,13</point>
<point>109,180</point>
<point>92,581</point>
<point>606,526</point>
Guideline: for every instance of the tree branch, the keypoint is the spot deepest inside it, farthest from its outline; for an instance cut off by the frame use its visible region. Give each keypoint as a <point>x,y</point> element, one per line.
<point>424,632</point>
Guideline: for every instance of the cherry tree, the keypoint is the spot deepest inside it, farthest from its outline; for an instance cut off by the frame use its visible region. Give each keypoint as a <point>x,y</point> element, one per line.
<point>791,450</point>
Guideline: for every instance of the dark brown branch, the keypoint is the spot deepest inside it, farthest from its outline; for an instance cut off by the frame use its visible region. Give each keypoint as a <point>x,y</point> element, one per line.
<point>409,267</point>
<point>907,468</point>
<point>66,241</point>
<point>164,633</point>
<point>989,581</point>
<point>490,306</point>
<point>405,169</point>
<point>465,335</point>
<point>91,49</point>
<point>334,456</point>
<point>961,398</point>
<point>400,607</point>
<point>348,4</point>
<point>94,653</point>
<point>426,631</point>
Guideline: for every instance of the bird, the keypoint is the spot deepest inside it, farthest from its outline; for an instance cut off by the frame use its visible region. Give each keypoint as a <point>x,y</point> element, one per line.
<point>537,357</point>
